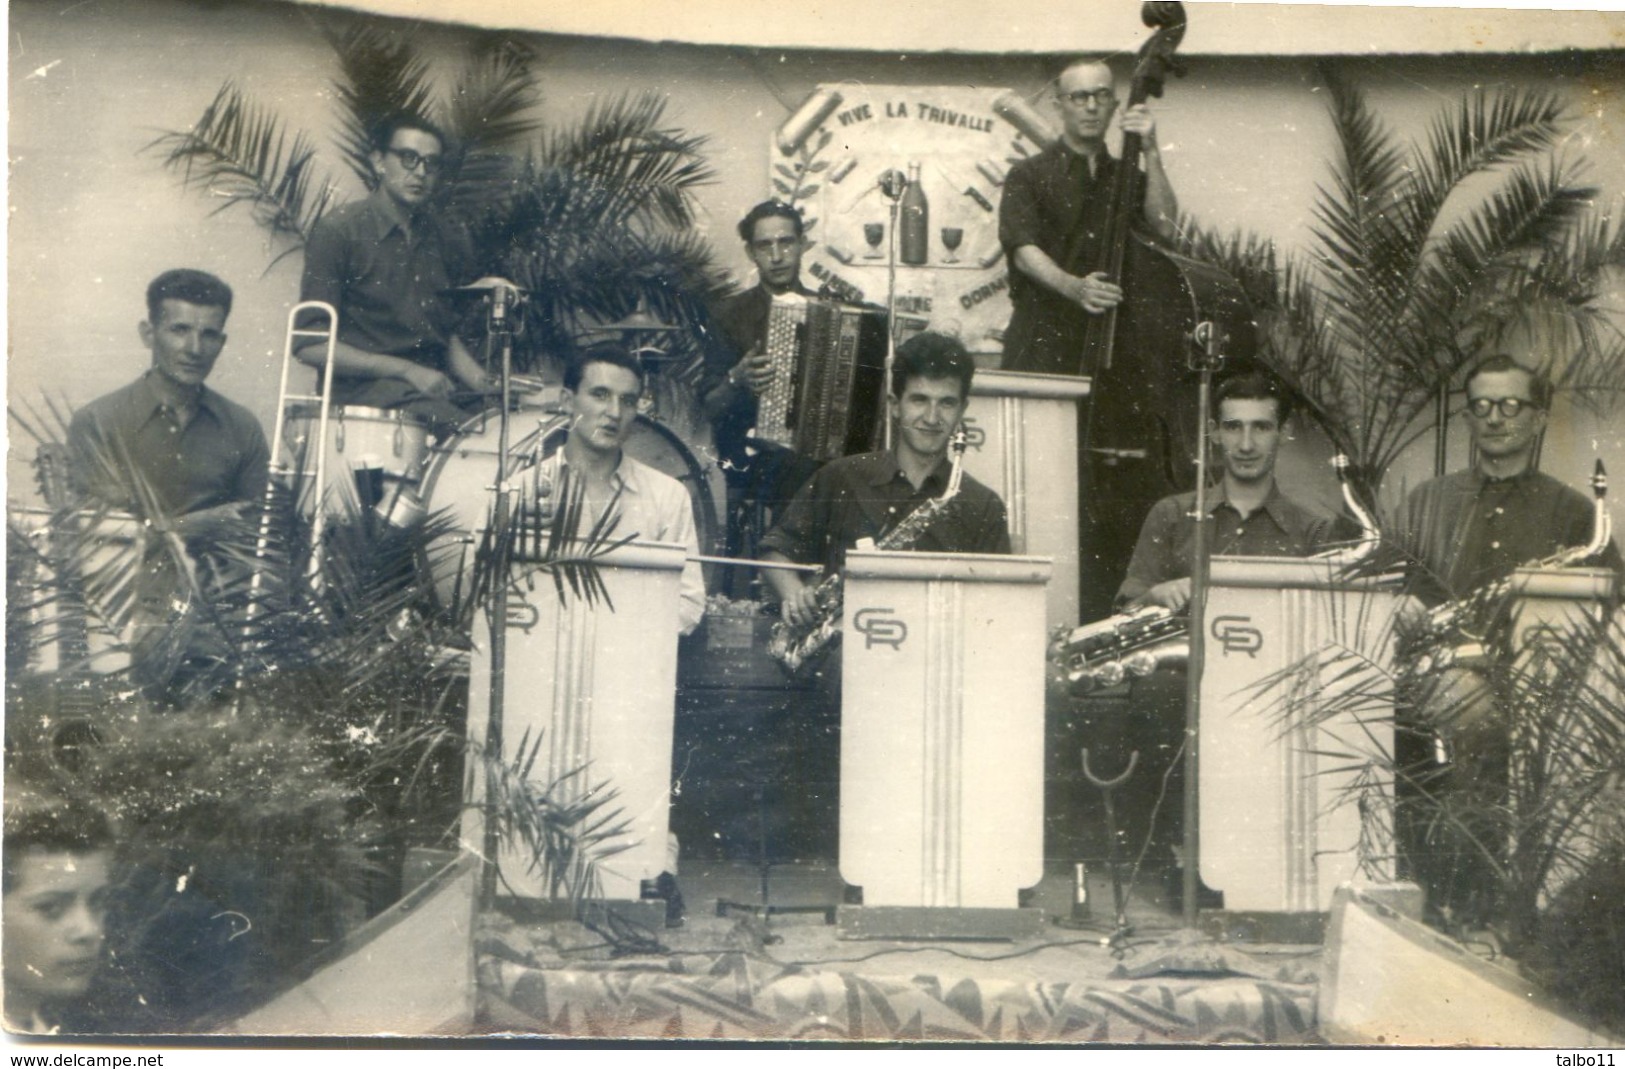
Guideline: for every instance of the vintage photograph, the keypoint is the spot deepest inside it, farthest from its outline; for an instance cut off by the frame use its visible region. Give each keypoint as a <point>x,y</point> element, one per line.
<point>939,524</point>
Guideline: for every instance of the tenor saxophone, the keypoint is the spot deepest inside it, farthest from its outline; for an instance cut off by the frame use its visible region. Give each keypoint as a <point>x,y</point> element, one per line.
<point>1452,632</point>
<point>794,646</point>
<point>1151,638</point>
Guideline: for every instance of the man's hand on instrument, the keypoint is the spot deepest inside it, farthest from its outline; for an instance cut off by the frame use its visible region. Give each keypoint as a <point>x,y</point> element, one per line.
<point>1174,595</point>
<point>1139,120</point>
<point>801,608</point>
<point>213,524</point>
<point>1095,292</point>
<point>429,382</point>
<point>754,371</point>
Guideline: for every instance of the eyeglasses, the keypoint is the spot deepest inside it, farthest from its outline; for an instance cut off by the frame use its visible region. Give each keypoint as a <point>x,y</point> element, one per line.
<point>1101,97</point>
<point>1481,407</point>
<point>411,160</point>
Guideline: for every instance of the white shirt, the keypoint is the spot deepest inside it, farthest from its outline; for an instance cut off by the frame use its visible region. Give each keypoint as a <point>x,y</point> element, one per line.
<point>653,507</point>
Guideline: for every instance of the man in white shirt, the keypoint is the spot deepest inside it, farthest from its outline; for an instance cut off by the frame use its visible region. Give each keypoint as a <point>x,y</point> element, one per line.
<point>602,385</point>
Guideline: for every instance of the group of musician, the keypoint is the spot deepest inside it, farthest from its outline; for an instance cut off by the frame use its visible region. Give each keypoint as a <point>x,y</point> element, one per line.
<point>387,262</point>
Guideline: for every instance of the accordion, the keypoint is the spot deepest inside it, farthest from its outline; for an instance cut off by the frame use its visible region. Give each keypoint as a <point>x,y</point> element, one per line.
<point>829,369</point>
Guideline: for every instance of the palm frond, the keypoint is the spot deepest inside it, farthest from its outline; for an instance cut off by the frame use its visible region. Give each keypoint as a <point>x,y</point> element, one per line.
<point>562,828</point>
<point>626,164</point>
<point>492,102</point>
<point>241,154</point>
<point>1483,132</point>
<point>380,74</point>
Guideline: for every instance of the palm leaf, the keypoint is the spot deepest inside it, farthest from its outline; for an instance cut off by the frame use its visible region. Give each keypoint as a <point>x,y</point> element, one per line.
<point>241,154</point>
<point>490,107</point>
<point>380,74</point>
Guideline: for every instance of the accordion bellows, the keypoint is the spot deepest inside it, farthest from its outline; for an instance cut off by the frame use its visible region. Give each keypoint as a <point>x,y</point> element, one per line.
<point>828,377</point>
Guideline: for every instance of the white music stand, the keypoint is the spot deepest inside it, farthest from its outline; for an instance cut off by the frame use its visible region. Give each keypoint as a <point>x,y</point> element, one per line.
<point>942,734</point>
<point>598,686</point>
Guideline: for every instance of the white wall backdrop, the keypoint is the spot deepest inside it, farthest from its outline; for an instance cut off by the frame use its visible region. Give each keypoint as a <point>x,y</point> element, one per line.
<point>93,217</point>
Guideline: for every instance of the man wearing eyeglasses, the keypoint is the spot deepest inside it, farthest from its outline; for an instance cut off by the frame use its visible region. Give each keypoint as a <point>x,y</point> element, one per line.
<point>1461,532</point>
<point>384,263</point>
<point>1052,221</point>
<point>1473,527</point>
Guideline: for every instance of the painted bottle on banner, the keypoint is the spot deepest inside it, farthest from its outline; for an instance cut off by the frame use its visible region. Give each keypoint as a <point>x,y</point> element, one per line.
<point>914,221</point>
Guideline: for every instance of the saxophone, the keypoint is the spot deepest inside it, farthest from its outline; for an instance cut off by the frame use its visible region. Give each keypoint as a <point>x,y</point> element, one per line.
<point>1455,632</point>
<point>793,646</point>
<point>1152,638</point>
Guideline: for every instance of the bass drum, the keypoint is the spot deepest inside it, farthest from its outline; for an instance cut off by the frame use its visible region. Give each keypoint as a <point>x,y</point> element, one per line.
<point>462,470</point>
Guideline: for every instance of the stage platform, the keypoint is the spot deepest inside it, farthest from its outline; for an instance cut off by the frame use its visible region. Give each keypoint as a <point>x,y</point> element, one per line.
<point>791,976</point>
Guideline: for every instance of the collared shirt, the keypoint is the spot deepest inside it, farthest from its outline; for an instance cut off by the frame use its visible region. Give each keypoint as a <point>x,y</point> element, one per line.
<point>1278,528</point>
<point>740,324</point>
<point>218,456</point>
<point>386,283</point>
<point>1466,529</point>
<point>652,507</point>
<point>867,495</point>
<point>1058,203</point>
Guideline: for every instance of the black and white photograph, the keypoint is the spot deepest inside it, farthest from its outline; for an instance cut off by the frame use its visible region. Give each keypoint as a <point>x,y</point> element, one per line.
<point>731,524</point>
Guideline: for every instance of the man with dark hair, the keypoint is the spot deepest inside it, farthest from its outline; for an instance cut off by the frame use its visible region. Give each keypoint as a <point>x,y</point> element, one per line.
<point>867,495</point>
<point>203,457</point>
<point>602,385</point>
<point>1052,221</point>
<point>738,370</point>
<point>384,263</point>
<point>57,879</point>
<point>1251,517</point>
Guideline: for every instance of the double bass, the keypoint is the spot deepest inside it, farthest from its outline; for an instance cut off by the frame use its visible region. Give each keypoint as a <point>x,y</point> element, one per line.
<point>1138,430</point>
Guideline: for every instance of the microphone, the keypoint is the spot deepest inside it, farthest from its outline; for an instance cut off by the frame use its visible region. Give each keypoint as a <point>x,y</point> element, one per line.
<point>893,183</point>
<point>501,292</point>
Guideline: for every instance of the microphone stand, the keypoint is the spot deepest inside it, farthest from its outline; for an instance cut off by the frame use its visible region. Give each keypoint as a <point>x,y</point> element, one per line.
<point>892,185</point>
<point>1205,361</point>
<point>498,331</point>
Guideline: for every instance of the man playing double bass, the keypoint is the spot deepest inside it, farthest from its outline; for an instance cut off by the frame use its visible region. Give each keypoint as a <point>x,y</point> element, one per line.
<point>1053,223</point>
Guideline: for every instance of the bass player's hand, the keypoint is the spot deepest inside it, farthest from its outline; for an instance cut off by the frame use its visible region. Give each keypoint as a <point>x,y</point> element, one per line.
<point>1095,292</point>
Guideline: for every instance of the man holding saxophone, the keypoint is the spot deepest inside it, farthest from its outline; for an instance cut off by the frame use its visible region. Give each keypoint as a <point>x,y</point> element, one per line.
<point>866,495</point>
<point>874,496</point>
<point>1248,516</point>
<point>1464,534</point>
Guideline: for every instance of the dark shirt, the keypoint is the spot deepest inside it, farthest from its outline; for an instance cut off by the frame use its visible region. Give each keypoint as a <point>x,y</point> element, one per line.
<point>1052,201</point>
<point>387,287</point>
<point>867,495</point>
<point>740,323</point>
<point>1277,529</point>
<point>1464,530</point>
<point>220,456</point>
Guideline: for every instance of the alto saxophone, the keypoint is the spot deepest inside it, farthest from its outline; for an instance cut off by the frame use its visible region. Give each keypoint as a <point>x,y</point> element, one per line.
<point>794,646</point>
<point>1152,638</point>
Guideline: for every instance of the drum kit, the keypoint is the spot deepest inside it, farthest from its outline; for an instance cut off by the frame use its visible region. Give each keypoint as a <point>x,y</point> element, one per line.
<point>344,460</point>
